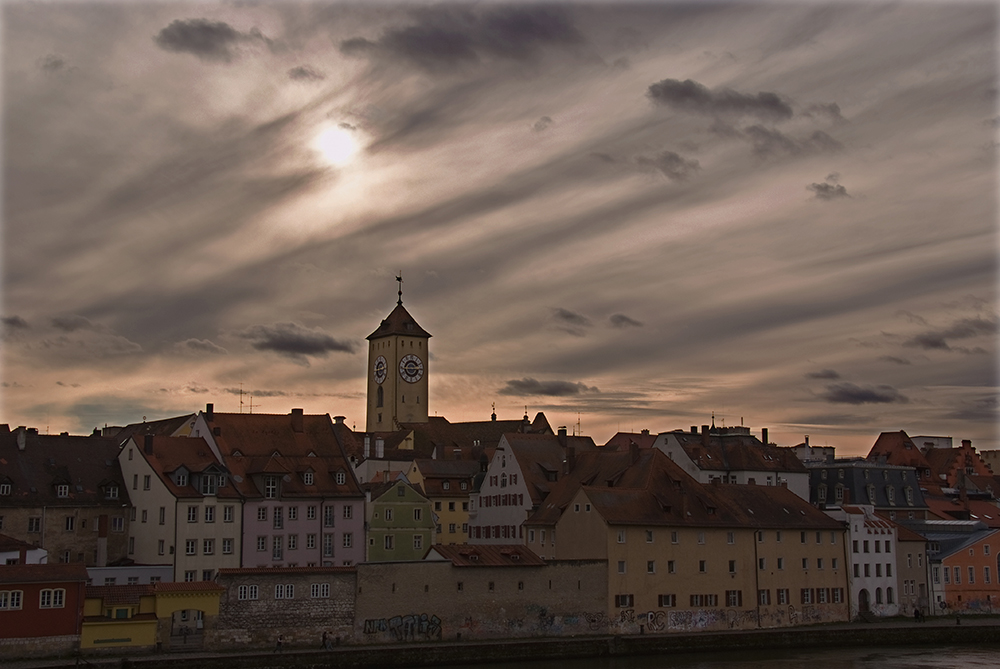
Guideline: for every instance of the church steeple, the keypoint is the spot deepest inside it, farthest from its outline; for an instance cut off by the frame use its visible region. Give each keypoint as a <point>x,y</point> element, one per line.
<point>397,370</point>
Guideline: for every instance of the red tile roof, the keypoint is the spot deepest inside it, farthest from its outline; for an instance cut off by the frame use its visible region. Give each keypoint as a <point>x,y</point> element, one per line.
<point>119,594</point>
<point>43,573</point>
<point>485,555</point>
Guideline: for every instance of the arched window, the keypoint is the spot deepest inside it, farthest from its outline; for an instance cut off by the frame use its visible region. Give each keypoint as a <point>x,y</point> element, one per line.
<point>379,397</point>
<point>878,595</point>
<point>888,596</point>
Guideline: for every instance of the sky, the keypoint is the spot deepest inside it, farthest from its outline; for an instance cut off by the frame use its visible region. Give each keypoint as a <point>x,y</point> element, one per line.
<point>628,216</point>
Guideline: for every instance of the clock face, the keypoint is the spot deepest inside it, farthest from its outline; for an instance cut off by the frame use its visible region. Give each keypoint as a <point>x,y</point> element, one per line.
<point>380,369</point>
<point>411,368</point>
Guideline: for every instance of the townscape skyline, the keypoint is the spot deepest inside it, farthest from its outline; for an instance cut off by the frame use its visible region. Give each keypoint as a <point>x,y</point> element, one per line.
<point>628,216</point>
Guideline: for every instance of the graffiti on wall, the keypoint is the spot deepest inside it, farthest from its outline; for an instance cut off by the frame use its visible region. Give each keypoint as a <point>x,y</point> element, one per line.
<point>412,627</point>
<point>596,621</point>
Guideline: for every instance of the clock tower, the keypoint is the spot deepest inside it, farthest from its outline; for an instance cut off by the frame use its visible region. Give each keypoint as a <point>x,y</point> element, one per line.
<point>397,371</point>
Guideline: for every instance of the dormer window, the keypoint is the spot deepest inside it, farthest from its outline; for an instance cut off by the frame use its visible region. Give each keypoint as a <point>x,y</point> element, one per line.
<point>307,478</point>
<point>446,485</point>
<point>62,490</point>
<point>111,492</point>
<point>463,485</point>
<point>341,478</point>
<point>208,484</point>
<point>4,488</point>
<point>270,487</point>
<point>182,480</point>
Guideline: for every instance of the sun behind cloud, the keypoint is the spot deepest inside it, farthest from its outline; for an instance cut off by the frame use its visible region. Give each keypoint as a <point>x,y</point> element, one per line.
<point>337,144</point>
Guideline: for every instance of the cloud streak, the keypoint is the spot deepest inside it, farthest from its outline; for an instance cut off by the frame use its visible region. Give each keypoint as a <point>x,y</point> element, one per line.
<point>528,386</point>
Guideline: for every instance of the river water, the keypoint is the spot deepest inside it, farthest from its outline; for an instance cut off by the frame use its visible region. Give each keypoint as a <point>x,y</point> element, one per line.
<point>986,656</point>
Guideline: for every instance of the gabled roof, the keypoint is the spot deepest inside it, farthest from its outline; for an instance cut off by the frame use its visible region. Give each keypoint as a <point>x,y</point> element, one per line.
<point>166,427</point>
<point>284,445</point>
<point>541,456</point>
<point>82,463</point>
<point>169,454</point>
<point>622,440</point>
<point>896,448</point>
<point>399,322</point>
<point>43,573</point>
<point>447,469</point>
<point>10,544</point>
<point>731,449</point>
<point>486,555</point>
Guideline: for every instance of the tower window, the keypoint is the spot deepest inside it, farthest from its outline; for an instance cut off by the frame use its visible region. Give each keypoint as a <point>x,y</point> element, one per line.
<point>379,397</point>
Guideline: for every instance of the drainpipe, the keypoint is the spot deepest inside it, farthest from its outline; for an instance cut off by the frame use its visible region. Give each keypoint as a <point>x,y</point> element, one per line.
<point>756,573</point>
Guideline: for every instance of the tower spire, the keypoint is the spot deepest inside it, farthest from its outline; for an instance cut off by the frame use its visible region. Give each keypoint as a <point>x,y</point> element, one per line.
<point>399,278</point>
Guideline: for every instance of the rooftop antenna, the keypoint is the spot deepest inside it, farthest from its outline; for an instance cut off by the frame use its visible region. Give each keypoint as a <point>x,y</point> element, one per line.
<point>241,398</point>
<point>399,278</point>
<point>251,403</point>
<point>579,426</point>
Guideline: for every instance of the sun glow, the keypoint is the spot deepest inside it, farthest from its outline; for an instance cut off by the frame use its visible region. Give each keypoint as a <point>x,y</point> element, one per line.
<point>337,145</point>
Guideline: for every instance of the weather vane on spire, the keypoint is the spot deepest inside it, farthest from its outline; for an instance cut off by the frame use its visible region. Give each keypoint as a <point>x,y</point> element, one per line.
<point>399,278</point>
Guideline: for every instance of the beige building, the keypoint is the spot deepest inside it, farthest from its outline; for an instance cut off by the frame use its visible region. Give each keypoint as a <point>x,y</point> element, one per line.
<point>397,372</point>
<point>686,556</point>
<point>447,484</point>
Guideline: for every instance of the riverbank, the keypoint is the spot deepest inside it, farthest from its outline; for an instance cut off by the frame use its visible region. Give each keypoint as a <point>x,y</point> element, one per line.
<point>896,632</point>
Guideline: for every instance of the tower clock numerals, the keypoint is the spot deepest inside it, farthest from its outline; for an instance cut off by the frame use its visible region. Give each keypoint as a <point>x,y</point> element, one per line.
<point>380,369</point>
<point>411,368</point>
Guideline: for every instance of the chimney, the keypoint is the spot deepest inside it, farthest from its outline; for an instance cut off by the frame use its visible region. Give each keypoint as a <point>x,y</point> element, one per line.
<point>562,436</point>
<point>210,412</point>
<point>694,429</point>
<point>147,444</point>
<point>570,459</point>
<point>966,443</point>
<point>807,441</point>
<point>22,435</point>
<point>339,420</point>
<point>297,420</point>
<point>645,433</point>
<point>704,435</point>
<point>633,452</point>
<point>763,435</point>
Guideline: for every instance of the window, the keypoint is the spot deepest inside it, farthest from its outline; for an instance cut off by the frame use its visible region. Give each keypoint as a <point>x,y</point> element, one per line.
<point>191,547</point>
<point>190,576</point>
<point>762,563</point>
<point>111,492</point>
<point>145,482</point>
<point>621,536</point>
<point>10,599</point>
<point>261,543</point>
<point>624,601</point>
<point>889,597</point>
<point>35,524</point>
<point>348,511</point>
<point>418,542</point>
<point>270,487</point>
<point>284,591</point>
<point>865,546</point>
<point>734,598</point>
<point>958,576</point>
<point>319,590</point>
<point>262,513</point>
<point>986,549</point>
<point>328,516</point>
<point>182,480</point>
<point>802,537</point>
<point>293,542</point>
<point>888,546</point>
<point>781,563</point>
<point>62,490</point>
<point>834,563</point>
<point>277,548</point>
<point>208,546</point>
<point>208,484</point>
<point>307,478</point>
<point>227,546</point>
<point>52,599</point>
<point>388,514</point>
<point>857,571</point>
<point>732,566</point>
<point>701,537</point>
<point>163,515</point>
<point>986,575</point>
<point>348,539</point>
<point>159,547</point>
<point>247,592</point>
<point>878,546</point>
<point>4,488</point>
<point>227,514</point>
<point>192,514</point>
<point>702,566</point>
<point>806,596</point>
<point>70,523</point>
<point>417,514</point>
<point>777,536</point>
<point>341,478</point>
<point>131,545</point>
<point>388,542</point>
<point>145,515</point>
<point>868,570</point>
<point>310,513</point>
<point>621,566</point>
<point>310,541</point>
<point>118,524</point>
<point>730,537</point>
<point>674,538</point>
<point>763,598</point>
<point>671,567</point>
<point>704,600</point>
<point>651,566</point>
<point>972,574</point>
<point>279,518</point>
<point>293,513</point>
<point>649,536</point>
<point>209,514</point>
<point>667,601</point>
<point>451,528</point>
<point>327,545</point>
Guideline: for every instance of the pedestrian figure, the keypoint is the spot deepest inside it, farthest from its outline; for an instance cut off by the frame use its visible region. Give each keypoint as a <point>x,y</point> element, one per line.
<point>326,641</point>
<point>277,646</point>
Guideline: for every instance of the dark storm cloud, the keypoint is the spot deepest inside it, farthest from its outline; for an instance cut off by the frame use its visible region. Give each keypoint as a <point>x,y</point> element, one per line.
<point>14,322</point>
<point>207,40</point>
<point>52,63</point>
<point>961,329</point>
<point>202,346</point>
<point>305,73</point>
<point>67,385</point>
<point>672,165</point>
<point>826,191</point>
<point>72,323</point>
<point>848,393</point>
<point>623,321</point>
<point>294,341</point>
<point>983,409</point>
<point>570,321</point>
<point>529,386</point>
<point>830,110</point>
<point>443,38</point>
<point>693,97</point>
<point>823,374</point>
<point>541,124</point>
<point>894,360</point>
<point>257,393</point>
<point>770,142</point>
